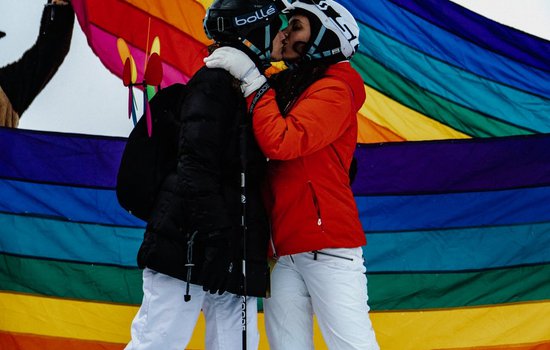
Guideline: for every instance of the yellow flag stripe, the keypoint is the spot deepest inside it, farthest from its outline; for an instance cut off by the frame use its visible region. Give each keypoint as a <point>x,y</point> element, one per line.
<point>403,121</point>
<point>415,330</point>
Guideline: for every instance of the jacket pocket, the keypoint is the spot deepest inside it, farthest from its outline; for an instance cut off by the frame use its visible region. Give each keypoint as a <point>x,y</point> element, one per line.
<point>316,205</point>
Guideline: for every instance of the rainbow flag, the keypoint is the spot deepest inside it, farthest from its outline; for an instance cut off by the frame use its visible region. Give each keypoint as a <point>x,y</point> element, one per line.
<point>453,186</point>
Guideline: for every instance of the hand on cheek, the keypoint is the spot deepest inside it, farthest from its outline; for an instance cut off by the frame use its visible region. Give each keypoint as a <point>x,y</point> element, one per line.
<point>277,50</point>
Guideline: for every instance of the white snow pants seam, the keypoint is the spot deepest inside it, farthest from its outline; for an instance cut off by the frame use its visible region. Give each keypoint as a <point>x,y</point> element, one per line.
<point>334,288</point>
<point>165,321</point>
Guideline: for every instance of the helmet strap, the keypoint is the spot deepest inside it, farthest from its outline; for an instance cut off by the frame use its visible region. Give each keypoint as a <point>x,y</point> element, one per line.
<point>261,59</point>
<point>312,52</point>
<point>262,54</point>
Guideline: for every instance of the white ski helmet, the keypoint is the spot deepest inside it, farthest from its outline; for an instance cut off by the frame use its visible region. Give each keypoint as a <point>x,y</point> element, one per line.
<point>335,33</point>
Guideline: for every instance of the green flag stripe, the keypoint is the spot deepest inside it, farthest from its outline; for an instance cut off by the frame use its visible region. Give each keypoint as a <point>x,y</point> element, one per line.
<point>431,105</point>
<point>386,291</point>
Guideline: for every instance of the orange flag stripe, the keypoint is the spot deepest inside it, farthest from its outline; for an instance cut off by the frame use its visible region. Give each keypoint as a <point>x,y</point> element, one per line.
<point>11,340</point>
<point>530,346</point>
<point>178,48</point>
<point>186,15</point>
<point>370,132</point>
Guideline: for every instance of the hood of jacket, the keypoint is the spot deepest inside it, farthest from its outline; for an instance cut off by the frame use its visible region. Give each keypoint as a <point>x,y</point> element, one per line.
<point>345,72</point>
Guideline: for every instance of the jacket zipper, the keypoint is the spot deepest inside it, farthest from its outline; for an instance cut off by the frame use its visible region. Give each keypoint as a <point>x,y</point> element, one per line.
<point>316,204</point>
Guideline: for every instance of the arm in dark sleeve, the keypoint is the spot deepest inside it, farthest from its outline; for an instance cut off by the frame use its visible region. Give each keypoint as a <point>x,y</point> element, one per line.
<point>208,108</point>
<point>23,80</point>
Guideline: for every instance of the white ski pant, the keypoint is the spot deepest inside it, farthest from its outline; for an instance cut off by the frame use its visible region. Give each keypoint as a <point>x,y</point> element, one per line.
<point>165,321</point>
<point>330,284</point>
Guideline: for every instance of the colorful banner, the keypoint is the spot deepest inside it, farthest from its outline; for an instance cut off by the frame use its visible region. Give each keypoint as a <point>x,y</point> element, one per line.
<point>453,185</point>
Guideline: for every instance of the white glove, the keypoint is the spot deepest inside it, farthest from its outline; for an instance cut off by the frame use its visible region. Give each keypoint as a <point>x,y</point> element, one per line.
<point>239,65</point>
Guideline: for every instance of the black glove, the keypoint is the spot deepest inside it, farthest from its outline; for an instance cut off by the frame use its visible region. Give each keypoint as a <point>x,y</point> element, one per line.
<point>218,262</point>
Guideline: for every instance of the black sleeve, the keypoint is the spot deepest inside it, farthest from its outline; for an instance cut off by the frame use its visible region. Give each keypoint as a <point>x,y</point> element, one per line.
<point>23,79</point>
<point>209,107</point>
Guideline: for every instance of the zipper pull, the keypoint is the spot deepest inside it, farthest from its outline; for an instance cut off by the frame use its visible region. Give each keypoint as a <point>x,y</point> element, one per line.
<point>319,223</point>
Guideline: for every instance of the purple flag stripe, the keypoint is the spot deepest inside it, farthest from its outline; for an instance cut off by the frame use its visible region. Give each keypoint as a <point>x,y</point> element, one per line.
<point>60,158</point>
<point>453,165</point>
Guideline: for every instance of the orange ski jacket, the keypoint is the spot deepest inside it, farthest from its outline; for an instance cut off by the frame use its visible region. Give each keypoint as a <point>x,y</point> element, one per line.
<point>310,201</point>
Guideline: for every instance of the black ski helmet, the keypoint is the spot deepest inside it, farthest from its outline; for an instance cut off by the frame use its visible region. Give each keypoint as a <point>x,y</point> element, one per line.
<point>334,31</point>
<point>252,23</point>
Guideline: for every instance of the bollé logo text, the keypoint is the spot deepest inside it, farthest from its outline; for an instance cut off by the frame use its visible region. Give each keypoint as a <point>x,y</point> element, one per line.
<point>255,16</point>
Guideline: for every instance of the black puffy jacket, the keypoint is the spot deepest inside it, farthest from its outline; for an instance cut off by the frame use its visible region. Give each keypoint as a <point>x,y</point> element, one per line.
<point>204,194</point>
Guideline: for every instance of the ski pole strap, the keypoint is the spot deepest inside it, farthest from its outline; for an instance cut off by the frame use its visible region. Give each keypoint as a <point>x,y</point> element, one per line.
<point>189,265</point>
<point>261,91</point>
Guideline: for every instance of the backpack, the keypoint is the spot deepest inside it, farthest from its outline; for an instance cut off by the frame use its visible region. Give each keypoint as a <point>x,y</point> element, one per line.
<point>146,161</point>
